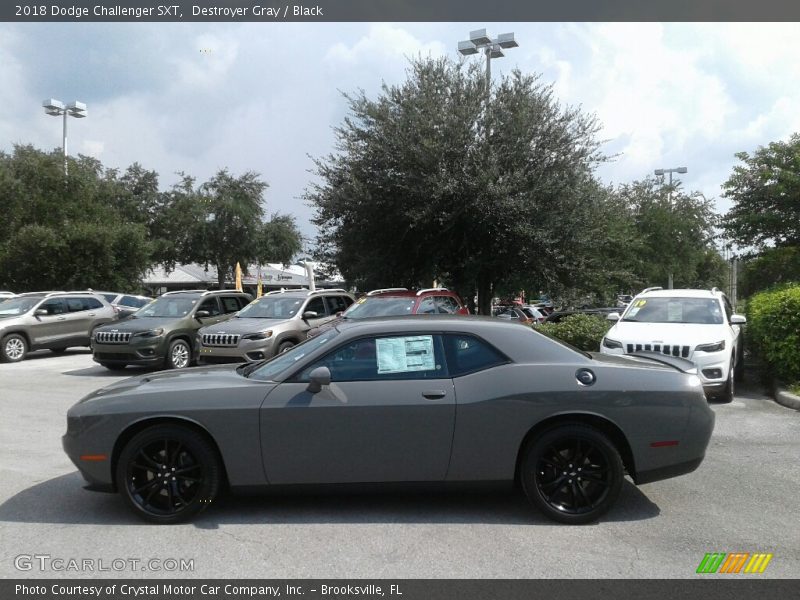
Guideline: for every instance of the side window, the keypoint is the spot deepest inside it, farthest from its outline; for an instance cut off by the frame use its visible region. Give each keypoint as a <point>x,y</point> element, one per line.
<point>133,301</point>
<point>728,308</point>
<point>243,301</point>
<point>347,301</point>
<point>110,297</point>
<point>230,304</point>
<point>56,306</point>
<point>447,304</point>
<point>395,357</point>
<point>336,304</point>
<point>427,306</point>
<point>92,303</point>
<point>76,304</point>
<point>467,354</point>
<point>317,305</point>
<point>210,305</point>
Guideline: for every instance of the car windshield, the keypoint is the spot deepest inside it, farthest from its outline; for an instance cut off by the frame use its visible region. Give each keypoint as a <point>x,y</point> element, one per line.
<point>167,306</point>
<point>270,369</point>
<point>698,311</point>
<point>272,307</point>
<point>17,306</point>
<point>380,307</point>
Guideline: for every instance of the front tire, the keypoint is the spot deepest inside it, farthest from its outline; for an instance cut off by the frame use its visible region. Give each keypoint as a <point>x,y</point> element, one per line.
<point>285,346</point>
<point>572,473</point>
<point>168,474</point>
<point>179,355</point>
<point>14,348</point>
<point>728,392</point>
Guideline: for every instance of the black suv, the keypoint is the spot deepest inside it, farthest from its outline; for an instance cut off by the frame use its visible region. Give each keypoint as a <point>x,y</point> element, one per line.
<point>162,333</point>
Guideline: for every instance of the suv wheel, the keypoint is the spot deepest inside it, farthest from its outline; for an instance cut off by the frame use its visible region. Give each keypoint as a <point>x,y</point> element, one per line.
<point>285,346</point>
<point>14,348</point>
<point>729,390</point>
<point>179,355</point>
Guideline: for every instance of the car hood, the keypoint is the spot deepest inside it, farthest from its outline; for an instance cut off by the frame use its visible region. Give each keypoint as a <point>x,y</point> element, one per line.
<point>184,380</point>
<point>690,334</point>
<point>242,325</point>
<point>142,324</point>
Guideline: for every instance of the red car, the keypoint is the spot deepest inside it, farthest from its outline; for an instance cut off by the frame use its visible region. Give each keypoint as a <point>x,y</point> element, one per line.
<point>395,302</point>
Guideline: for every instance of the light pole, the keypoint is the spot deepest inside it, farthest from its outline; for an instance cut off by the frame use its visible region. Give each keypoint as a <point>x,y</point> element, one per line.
<point>56,108</point>
<point>479,41</point>
<point>660,173</point>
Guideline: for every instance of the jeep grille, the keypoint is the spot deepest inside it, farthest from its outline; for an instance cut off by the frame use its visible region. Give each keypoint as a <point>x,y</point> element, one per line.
<point>220,339</point>
<point>112,337</point>
<point>669,350</point>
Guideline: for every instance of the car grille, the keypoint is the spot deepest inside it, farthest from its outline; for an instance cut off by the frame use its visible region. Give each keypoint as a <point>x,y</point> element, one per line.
<point>112,337</point>
<point>670,350</point>
<point>220,339</point>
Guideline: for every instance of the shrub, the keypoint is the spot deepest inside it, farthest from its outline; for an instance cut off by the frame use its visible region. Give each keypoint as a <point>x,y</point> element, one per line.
<point>773,328</point>
<point>582,331</point>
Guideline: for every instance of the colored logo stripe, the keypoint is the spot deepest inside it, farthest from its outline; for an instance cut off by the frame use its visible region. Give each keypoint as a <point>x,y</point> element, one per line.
<point>722,562</point>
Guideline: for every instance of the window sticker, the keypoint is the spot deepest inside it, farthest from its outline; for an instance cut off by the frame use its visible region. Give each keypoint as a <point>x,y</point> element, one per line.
<point>404,354</point>
<point>675,311</point>
<point>641,303</point>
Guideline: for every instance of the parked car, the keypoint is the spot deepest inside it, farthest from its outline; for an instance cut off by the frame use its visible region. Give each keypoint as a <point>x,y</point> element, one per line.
<point>698,325</point>
<point>51,320</point>
<point>374,401</point>
<point>520,314</point>
<point>7,295</point>
<point>538,315</point>
<point>399,302</point>
<point>270,325</point>
<point>125,304</point>
<point>162,333</point>
<point>623,300</point>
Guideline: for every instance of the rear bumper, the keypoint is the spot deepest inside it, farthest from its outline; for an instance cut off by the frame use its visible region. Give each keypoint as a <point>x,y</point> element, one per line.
<point>668,472</point>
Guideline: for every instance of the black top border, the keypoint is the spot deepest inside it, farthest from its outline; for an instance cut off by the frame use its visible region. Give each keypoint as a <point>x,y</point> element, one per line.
<point>271,11</point>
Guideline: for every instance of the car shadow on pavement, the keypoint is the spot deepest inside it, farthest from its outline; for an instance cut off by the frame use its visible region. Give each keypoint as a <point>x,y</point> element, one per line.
<point>40,354</point>
<point>99,371</point>
<point>62,500</point>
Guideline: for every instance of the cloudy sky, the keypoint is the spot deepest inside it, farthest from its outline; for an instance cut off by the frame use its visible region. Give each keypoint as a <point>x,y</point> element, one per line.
<point>264,97</point>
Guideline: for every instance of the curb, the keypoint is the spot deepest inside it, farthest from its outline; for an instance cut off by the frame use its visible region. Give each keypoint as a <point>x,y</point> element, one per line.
<point>785,397</point>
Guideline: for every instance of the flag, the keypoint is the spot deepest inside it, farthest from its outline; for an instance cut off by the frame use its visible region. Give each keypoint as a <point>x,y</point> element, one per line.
<point>238,277</point>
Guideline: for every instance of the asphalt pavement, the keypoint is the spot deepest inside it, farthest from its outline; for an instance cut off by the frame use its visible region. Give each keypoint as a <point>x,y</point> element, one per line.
<point>743,498</point>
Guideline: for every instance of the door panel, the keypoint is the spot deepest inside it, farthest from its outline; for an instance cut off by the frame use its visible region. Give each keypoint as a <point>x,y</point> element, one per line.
<point>52,328</point>
<point>358,431</point>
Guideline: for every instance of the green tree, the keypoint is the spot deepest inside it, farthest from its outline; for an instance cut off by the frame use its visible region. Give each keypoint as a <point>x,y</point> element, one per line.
<point>426,183</point>
<point>224,224</point>
<point>765,191</point>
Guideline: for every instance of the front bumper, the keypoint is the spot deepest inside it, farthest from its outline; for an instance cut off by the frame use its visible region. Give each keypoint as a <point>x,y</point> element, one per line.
<point>712,367</point>
<point>138,351</point>
<point>245,351</point>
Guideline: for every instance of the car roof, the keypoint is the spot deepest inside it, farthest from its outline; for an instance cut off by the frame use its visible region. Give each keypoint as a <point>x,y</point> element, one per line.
<point>680,293</point>
<point>406,293</point>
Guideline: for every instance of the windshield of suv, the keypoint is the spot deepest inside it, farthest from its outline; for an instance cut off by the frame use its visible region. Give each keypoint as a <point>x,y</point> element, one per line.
<point>272,307</point>
<point>698,311</point>
<point>17,306</point>
<point>167,306</point>
<point>380,307</point>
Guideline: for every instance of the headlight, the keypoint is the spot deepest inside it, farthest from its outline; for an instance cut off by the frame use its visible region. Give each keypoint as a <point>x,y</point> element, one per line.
<point>150,333</point>
<point>609,343</point>
<point>261,335</point>
<point>715,347</point>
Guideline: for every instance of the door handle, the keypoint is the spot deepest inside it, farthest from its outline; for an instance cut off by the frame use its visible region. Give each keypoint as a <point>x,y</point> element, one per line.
<point>434,394</point>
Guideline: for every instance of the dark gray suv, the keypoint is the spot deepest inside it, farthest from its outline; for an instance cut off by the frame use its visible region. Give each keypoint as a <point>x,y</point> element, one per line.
<point>52,320</point>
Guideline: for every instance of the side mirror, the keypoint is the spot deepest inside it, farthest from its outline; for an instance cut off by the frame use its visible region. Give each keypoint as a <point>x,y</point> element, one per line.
<point>310,314</point>
<point>738,319</point>
<point>201,314</point>
<point>40,312</point>
<point>614,316</point>
<point>319,377</point>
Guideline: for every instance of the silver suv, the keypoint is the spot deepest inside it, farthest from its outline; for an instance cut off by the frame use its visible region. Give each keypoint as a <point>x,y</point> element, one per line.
<point>52,320</point>
<point>270,325</point>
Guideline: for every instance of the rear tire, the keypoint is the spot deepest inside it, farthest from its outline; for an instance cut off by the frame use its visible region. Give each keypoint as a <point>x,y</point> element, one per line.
<point>14,348</point>
<point>572,473</point>
<point>168,474</point>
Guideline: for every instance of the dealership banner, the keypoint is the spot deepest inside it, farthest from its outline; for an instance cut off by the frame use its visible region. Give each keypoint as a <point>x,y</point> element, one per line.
<point>271,11</point>
<point>398,589</point>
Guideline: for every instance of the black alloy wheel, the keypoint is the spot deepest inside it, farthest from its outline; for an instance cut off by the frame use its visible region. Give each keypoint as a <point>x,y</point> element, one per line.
<point>168,474</point>
<point>572,473</point>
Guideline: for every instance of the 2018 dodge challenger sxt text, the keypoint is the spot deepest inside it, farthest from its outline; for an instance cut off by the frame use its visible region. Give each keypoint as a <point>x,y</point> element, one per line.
<point>407,400</point>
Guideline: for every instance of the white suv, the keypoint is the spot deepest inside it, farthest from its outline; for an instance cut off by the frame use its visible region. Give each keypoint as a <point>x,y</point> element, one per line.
<point>698,325</point>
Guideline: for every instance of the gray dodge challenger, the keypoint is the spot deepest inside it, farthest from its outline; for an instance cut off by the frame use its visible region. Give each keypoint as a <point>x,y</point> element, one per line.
<point>411,400</point>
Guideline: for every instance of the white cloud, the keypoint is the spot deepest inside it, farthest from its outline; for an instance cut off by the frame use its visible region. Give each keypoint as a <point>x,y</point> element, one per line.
<point>382,42</point>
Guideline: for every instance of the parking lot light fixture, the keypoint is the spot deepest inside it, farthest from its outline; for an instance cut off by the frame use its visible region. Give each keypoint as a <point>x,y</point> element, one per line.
<point>480,41</point>
<point>56,108</point>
